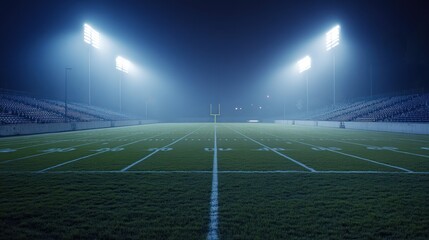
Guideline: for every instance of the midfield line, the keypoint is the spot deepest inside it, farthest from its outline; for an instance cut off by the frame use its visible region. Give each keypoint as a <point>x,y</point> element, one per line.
<point>97,153</point>
<point>213,233</point>
<point>277,152</point>
<point>154,152</point>
<point>393,150</point>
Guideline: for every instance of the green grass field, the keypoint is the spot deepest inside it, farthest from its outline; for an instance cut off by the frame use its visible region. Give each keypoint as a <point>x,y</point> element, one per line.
<point>229,181</point>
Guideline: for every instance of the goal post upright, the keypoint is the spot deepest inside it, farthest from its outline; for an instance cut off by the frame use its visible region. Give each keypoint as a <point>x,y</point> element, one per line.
<point>214,114</point>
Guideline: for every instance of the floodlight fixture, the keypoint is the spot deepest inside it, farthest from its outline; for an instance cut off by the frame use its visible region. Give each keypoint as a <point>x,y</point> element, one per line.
<point>122,64</point>
<point>304,64</point>
<point>91,36</point>
<point>333,38</point>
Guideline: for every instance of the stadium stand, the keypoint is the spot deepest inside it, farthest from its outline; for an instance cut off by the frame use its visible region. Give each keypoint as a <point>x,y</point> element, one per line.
<point>408,108</point>
<point>18,108</point>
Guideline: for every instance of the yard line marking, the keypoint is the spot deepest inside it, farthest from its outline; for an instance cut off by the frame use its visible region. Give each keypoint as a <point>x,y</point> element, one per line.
<point>21,142</point>
<point>393,150</point>
<point>414,140</point>
<point>40,144</point>
<point>211,172</point>
<point>74,160</point>
<point>44,153</point>
<point>357,157</point>
<point>214,203</point>
<point>275,151</point>
<point>353,156</point>
<point>154,152</point>
<point>90,155</point>
<point>40,154</point>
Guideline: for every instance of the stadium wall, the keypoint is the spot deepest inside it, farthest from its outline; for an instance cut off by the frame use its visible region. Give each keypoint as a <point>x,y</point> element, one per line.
<point>416,128</point>
<point>36,128</point>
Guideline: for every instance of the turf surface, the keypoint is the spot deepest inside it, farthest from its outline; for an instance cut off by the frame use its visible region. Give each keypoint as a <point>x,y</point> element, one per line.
<point>155,182</point>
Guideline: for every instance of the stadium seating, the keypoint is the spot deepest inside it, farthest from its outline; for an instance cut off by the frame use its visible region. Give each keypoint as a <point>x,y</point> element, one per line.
<point>17,108</point>
<point>407,108</point>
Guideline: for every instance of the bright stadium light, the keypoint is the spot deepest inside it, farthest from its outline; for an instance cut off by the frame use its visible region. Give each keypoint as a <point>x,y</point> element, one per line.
<point>92,38</point>
<point>332,40</point>
<point>303,65</point>
<point>123,65</point>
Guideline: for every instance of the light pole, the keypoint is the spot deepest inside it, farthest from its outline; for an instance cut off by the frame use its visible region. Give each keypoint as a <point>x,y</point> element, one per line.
<point>332,40</point>
<point>65,94</point>
<point>123,66</point>
<point>91,37</point>
<point>303,65</point>
<point>146,109</point>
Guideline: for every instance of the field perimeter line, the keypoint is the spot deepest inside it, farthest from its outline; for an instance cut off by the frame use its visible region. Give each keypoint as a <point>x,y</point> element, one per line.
<point>214,203</point>
<point>277,152</point>
<point>90,155</point>
<point>157,150</point>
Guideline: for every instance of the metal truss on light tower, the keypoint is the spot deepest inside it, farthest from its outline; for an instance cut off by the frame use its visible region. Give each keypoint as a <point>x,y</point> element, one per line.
<point>333,40</point>
<point>303,66</point>
<point>92,38</point>
<point>123,66</point>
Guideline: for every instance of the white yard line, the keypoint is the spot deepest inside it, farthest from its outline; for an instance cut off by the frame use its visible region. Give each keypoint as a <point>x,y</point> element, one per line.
<point>17,142</point>
<point>39,145</point>
<point>40,154</point>
<point>213,233</point>
<point>275,151</point>
<point>357,157</point>
<point>387,149</point>
<point>350,155</point>
<point>154,152</point>
<point>97,153</point>
<point>413,140</point>
<point>211,172</point>
<point>44,153</point>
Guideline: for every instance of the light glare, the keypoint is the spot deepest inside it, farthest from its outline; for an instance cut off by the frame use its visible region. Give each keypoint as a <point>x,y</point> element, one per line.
<point>91,36</point>
<point>333,38</point>
<point>304,64</point>
<point>122,64</point>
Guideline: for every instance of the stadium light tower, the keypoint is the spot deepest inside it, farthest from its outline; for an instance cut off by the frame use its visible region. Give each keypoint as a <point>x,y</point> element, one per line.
<point>123,65</point>
<point>67,69</point>
<point>92,38</point>
<point>303,66</point>
<point>333,40</point>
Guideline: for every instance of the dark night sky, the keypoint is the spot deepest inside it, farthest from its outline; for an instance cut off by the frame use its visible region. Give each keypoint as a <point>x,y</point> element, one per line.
<point>192,53</point>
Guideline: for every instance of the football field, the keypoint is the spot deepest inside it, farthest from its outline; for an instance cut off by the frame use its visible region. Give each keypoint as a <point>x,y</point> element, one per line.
<point>223,181</point>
